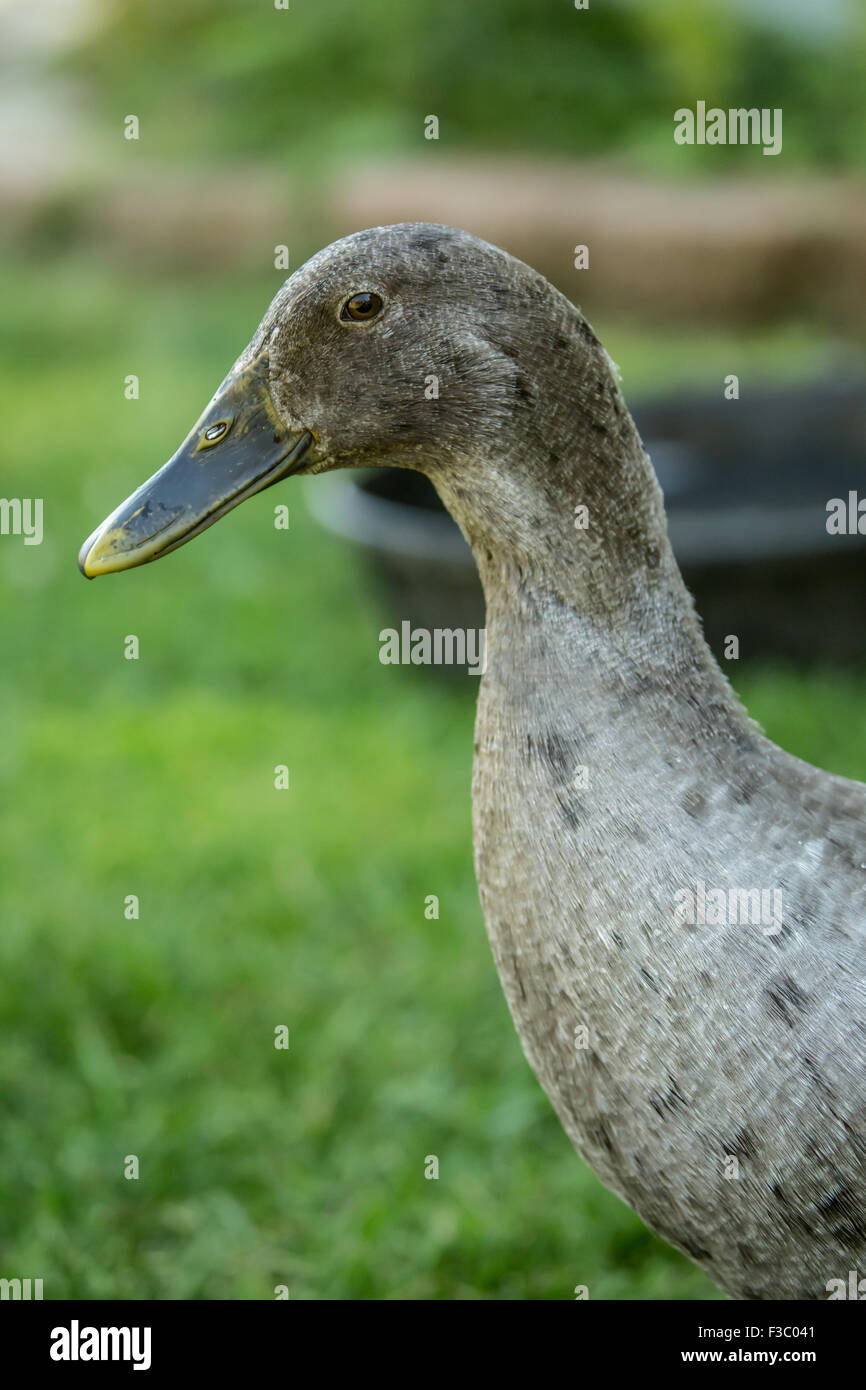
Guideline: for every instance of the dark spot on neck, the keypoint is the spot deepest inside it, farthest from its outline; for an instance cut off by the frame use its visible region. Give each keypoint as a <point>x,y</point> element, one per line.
<point>567,810</point>
<point>672,1100</point>
<point>789,1215</point>
<point>744,787</point>
<point>787,1000</point>
<point>694,803</point>
<point>745,1145</point>
<point>843,1203</point>
<point>693,1250</point>
<point>598,1132</point>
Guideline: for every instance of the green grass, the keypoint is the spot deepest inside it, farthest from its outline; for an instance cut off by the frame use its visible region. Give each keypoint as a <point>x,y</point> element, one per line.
<point>258,907</point>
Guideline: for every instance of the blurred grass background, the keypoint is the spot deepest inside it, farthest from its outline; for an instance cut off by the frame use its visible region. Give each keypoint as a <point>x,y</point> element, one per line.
<point>258,647</point>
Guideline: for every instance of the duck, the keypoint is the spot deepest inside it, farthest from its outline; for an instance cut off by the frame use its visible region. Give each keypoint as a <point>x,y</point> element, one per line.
<point>676,906</point>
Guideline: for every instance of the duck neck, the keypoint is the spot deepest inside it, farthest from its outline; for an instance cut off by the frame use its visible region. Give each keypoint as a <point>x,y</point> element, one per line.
<point>567,526</point>
<point>558,484</point>
<point>575,511</point>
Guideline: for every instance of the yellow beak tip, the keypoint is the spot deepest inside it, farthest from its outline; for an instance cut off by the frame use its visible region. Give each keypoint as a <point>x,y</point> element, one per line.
<point>100,553</point>
<point>89,558</point>
<point>84,561</point>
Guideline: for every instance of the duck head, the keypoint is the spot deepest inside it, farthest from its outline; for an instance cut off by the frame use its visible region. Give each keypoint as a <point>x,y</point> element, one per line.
<point>418,346</point>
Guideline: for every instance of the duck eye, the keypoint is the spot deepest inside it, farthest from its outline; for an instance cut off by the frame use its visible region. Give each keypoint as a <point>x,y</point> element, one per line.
<point>361,307</point>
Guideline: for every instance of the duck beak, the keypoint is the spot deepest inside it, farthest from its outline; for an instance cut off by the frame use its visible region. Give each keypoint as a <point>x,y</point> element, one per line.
<point>238,447</point>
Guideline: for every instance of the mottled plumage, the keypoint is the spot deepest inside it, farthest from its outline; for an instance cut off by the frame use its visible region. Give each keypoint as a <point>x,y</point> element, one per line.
<point>711,1074</point>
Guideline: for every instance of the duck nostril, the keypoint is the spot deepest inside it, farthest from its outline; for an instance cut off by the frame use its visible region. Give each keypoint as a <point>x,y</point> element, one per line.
<point>214,433</point>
